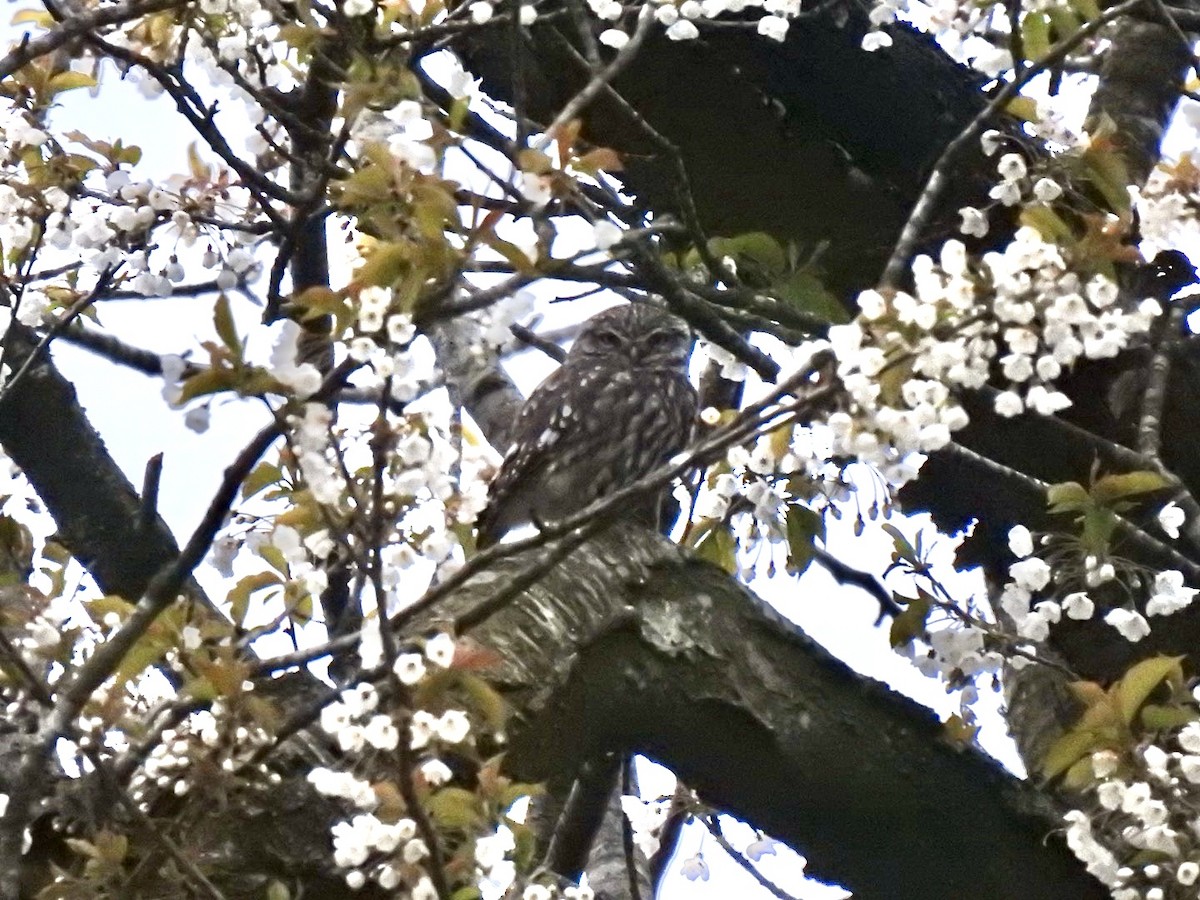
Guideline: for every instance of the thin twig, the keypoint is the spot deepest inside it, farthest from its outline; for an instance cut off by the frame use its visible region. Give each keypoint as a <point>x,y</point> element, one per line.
<point>77,25</point>
<point>714,828</point>
<point>939,177</point>
<point>600,80</point>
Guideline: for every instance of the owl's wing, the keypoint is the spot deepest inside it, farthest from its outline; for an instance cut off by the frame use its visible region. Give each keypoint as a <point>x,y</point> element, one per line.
<point>540,426</point>
<point>586,431</point>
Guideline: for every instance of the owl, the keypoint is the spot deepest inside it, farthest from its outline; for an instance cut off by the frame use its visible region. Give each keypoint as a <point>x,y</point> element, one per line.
<point>619,407</point>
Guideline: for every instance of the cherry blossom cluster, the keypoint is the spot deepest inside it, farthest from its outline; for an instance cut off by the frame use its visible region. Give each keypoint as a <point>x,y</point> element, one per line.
<point>1139,833</point>
<point>215,736</point>
<point>1021,313</point>
<point>1168,206</point>
<point>973,33</point>
<point>386,851</point>
<point>135,232</point>
<point>1032,576</point>
<point>389,847</point>
<point>384,340</point>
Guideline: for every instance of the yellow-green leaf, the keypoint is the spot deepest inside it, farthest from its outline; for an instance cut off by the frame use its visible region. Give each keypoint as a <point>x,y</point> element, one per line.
<point>804,291</point>
<point>1024,108</point>
<point>204,382</point>
<point>719,547</point>
<point>454,807</point>
<point>1035,35</point>
<point>1070,496</point>
<point>1143,679</point>
<point>1127,484</point>
<point>1064,20</point>
<point>1086,9</point>
<point>1080,774</point>
<point>1049,224</point>
<point>756,246</point>
<point>910,623</point>
<point>535,162</point>
<point>262,475</point>
<point>226,329</point>
<point>1106,170</point>
<point>804,526</point>
<point>1156,717</point>
<point>239,596</point>
<point>959,732</point>
<point>384,264</point>
<point>486,700</point>
<point>68,81</point>
<point>33,17</point>
<point>902,548</point>
<point>1068,750</point>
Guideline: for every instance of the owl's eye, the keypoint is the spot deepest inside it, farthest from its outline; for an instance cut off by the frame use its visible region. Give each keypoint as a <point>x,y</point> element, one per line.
<point>607,340</point>
<point>662,340</point>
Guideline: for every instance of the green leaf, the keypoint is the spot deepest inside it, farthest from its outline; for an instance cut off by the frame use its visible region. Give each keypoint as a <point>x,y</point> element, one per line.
<point>1099,523</point>
<point>239,596</point>
<point>1127,484</point>
<point>1156,717</point>
<point>454,807</point>
<point>1080,775</point>
<point>754,246</point>
<point>1023,108</point>
<point>109,603</point>
<point>486,700</point>
<point>384,264</point>
<point>511,252</point>
<point>804,526</point>
<point>910,624</point>
<point>205,382</point>
<point>226,330</point>
<point>1143,679</point>
<point>1086,9</point>
<point>806,292</point>
<point>1035,35</point>
<point>719,547</point>
<point>535,162</point>
<point>1064,20</point>
<point>1068,750</point>
<point>1049,224</point>
<point>902,549</point>
<point>149,650</point>
<point>262,475</point>
<point>69,81</point>
<point>1107,171</point>
<point>1070,496</point>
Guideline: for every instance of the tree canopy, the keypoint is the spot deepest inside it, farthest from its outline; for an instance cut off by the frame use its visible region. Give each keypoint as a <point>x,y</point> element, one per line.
<point>919,282</point>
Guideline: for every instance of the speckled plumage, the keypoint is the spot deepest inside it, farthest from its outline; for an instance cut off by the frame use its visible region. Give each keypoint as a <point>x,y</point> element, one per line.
<point>619,407</point>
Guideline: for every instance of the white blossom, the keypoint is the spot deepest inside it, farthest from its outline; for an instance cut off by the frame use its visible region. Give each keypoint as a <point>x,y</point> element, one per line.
<point>1171,519</point>
<point>1020,541</point>
<point>1130,623</point>
<point>774,27</point>
<point>439,650</point>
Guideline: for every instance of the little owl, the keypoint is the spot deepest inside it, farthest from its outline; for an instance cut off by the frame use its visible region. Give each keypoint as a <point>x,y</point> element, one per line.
<point>619,407</point>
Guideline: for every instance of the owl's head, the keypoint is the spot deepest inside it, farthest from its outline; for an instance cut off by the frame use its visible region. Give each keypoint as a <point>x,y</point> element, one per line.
<point>640,334</point>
